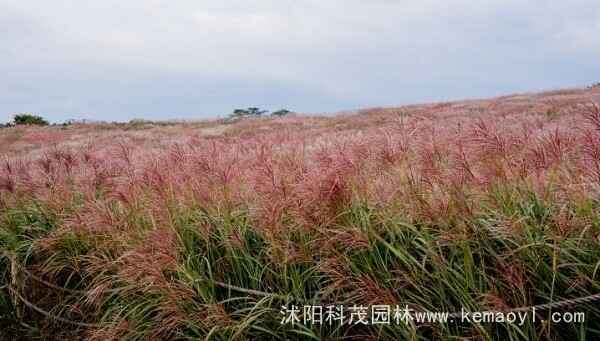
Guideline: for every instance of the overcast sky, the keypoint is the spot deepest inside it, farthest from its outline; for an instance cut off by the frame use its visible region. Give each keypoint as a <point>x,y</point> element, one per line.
<point>155,59</point>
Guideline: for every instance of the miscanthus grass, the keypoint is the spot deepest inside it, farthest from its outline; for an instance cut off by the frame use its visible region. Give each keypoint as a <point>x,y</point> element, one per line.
<point>438,208</point>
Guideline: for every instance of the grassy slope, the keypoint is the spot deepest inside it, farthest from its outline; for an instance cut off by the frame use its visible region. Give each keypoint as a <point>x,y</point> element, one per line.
<point>176,231</point>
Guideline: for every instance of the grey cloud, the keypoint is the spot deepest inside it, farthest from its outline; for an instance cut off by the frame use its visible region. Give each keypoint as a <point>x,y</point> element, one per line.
<point>165,59</point>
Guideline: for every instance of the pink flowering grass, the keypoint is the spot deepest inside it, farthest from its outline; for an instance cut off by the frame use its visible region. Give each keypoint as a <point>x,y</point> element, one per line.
<point>486,204</point>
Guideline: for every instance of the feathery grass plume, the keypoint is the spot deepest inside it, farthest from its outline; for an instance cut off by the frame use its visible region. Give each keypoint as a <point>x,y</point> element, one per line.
<point>591,113</point>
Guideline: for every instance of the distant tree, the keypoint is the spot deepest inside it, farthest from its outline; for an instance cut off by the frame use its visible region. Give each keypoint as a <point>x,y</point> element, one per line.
<point>281,112</point>
<point>239,113</point>
<point>29,119</point>
<point>594,85</point>
<point>251,111</point>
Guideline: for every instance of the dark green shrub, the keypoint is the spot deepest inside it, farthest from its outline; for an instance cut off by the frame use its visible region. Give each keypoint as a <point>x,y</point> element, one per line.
<point>28,119</point>
<point>281,112</point>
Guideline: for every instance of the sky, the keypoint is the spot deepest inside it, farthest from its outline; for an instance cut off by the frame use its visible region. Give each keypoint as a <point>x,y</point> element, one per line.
<point>194,59</point>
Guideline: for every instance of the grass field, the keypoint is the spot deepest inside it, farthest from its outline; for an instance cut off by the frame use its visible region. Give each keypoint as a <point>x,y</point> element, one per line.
<point>216,229</point>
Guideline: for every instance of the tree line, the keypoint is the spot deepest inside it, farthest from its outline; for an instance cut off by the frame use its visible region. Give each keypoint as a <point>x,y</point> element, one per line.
<point>30,119</point>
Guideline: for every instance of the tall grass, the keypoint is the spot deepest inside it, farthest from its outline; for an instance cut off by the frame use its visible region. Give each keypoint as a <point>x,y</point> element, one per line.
<point>188,236</point>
